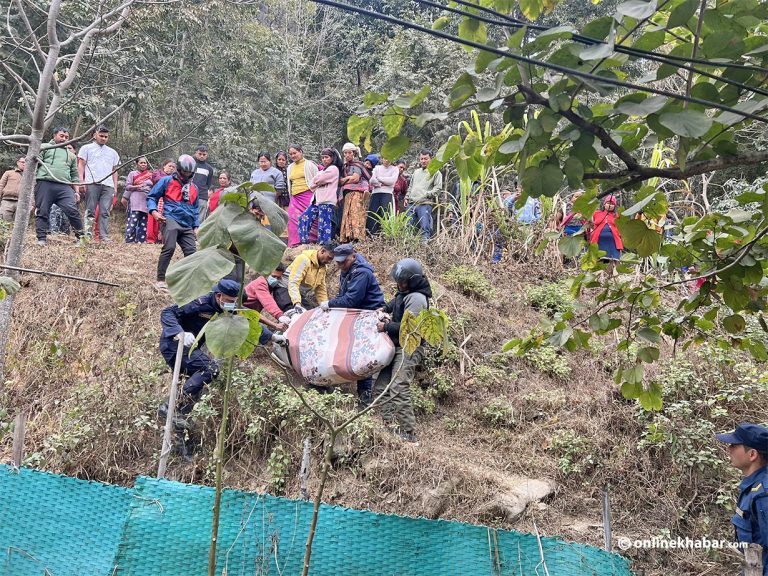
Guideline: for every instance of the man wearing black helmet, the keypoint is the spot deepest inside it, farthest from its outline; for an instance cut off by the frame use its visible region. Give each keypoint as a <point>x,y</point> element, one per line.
<point>413,294</point>
<point>179,219</point>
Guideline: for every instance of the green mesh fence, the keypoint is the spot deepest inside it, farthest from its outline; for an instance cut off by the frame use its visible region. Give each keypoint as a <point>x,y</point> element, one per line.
<point>52,524</point>
<point>163,528</point>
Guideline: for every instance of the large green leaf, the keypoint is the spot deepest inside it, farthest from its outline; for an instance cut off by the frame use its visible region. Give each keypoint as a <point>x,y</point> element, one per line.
<point>254,331</point>
<point>225,334</point>
<point>433,326</point>
<point>637,9</point>
<point>213,232</point>
<point>278,218</point>
<point>259,247</point>
<point>395,147</point>
<point>734,323</point>
<point>463,88</point>
<point>195,275</point>
<point>571,246</point>
<point>358,126</point>
<point>542,180</point>
<point>637,236</point>
<point>474,30</point>
<point>532,9</point>
<point>687,123</point>
<point>643,107</point>
<point>574,172</point>
<point>682,13</point>
<point>393,120</point>
<point>409,333</point>
<point>723,44</point>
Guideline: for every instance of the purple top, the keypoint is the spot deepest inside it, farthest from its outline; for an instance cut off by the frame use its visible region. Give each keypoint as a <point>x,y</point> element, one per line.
<point>136,194</point>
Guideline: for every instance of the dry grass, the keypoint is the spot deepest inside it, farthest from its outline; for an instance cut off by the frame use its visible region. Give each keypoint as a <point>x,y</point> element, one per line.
<point>86,367</point>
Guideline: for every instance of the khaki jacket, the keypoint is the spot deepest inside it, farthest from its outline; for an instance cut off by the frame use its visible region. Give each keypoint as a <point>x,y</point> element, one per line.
<point>9,184</point>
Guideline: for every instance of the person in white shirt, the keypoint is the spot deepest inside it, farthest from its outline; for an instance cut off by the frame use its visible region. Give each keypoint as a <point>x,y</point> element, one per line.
<point>382,202</point>
<point>97,164</point>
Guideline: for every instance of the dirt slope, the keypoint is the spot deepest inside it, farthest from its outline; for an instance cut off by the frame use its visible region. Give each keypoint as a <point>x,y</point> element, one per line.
<point>85,364</point>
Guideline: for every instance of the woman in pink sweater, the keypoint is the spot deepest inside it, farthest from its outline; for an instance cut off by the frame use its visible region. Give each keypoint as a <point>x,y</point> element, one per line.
<point>325,186</point>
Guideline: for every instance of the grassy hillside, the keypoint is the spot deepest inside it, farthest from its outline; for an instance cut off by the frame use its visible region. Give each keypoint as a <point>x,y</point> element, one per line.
<point>85,365</point>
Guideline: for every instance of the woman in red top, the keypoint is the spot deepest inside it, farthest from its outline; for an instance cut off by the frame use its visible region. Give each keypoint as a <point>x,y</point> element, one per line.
<point>604,231</point>
<point>167,168</point>
<point>224,182</point>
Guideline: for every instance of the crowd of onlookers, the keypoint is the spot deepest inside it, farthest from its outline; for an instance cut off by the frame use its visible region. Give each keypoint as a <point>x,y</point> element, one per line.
<point>343,197</point>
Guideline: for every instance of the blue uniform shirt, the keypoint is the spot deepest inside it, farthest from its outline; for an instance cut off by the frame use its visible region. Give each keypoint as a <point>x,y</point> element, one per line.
<point>193,316</point>
<point>751,517</point>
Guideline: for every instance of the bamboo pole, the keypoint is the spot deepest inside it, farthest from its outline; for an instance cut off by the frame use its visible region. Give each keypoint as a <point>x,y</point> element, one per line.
<point>165,452</point>
<point>19,431</point>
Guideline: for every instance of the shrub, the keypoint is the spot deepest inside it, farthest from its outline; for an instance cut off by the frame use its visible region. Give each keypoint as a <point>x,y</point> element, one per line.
<point>423,402</point>
<point>470,282</point>
<point>398,227</point>
<point>546,360</point>
<point>550,297</point>
<point>498,412</point>
<point>574,452</point>
<point>277,465</point>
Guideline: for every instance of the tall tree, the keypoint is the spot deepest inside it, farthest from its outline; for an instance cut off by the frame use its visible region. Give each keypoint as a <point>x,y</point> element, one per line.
<point>52,48</point>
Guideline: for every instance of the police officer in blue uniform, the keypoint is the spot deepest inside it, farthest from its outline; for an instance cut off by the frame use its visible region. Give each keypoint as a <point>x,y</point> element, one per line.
<point>748,451</point>
<point>186,322</point>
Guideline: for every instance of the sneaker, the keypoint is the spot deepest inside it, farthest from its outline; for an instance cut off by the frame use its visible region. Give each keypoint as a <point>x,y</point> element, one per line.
<point>364,399</point>
<point>41,242</point>
<point>180,421</point>
<point>280,355</point>
<point>160,285</point>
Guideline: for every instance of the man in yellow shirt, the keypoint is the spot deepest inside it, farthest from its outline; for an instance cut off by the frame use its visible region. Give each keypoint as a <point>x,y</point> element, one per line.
<point>308,269</point>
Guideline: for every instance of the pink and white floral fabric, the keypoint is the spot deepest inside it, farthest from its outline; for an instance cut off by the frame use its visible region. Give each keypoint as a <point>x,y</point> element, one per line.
<point>337,346</point>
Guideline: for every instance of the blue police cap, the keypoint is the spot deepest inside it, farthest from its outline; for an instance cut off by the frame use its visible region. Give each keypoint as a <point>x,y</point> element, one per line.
<point>228,287</point>
<point>751,435</point>
<point>341,252</point>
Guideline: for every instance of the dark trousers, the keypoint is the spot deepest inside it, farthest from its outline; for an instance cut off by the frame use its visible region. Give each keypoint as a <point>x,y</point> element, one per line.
<point>99,195</point>
<point>199,368</point>
<point>47,193</point>
<point>136,227</point>
<point>382,204</point>
<point>173,233</point>
<point>364,385</point>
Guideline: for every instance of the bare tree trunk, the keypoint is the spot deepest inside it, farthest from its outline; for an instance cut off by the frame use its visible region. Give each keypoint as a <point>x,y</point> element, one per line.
<point>26,187</point>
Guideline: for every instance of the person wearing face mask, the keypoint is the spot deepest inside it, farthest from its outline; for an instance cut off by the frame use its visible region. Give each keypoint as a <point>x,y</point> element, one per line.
<point>186,322</point>
<point>180,217</point>
<point>260,295</point>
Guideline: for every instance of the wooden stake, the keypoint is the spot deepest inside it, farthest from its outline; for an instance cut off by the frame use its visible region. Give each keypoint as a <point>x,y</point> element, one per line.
<point>19,431</point>
<point>165,452</point>
<point>607,519</point>
<point>304,472</point>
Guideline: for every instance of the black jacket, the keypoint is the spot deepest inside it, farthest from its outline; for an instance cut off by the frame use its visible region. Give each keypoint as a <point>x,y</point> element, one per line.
<point>415,300</point>
<point>203,179</point>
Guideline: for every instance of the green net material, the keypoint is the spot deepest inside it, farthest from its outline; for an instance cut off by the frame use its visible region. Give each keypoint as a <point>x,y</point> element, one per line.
<point>163,528</point>
<point>51,524</point>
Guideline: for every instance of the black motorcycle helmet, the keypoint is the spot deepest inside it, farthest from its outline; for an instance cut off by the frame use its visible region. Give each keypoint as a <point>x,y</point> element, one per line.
<point>185,167</point>
<point>408,271</point>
